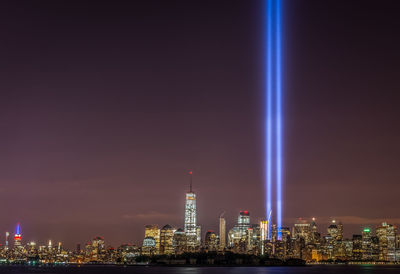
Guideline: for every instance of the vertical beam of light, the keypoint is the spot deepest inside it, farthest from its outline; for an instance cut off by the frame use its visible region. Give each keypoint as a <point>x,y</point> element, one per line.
<point>273,113</point>
<point>268,118</point>
<point>278,83</point>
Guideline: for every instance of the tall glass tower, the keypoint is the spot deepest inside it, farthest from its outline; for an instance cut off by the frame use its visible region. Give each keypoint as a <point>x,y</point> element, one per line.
<point>191,229</point>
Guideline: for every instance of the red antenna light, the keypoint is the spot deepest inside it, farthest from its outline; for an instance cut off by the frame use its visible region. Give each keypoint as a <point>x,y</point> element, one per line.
<point>190,173</point>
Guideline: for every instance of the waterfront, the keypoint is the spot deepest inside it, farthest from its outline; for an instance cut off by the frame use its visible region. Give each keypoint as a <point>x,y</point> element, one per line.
<point>326,269</point>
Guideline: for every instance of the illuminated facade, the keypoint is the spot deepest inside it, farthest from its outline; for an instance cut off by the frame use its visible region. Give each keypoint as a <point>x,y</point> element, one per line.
<point>222,233</point>
<point>335,230</point>
<point>357,247</point>
<point>367,251</point>
<point>191,229</point>
<point>7,235</point>
<point>18,237</point>
<point>211,241</point>
<point>302,230</point>
<point>263,235</point>
<point>179,241</point>
<point>241,235</point>
<point>386,234</point>
<point>154,232</point>
<point>97,249</point>
<point>149,246</point>
<point>315,235</point>
<point>235,238</point>
<point>243,221</point>
<point>166,240</point>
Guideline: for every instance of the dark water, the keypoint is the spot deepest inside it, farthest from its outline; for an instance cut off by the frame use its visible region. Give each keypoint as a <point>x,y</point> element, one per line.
<point>329,269</point>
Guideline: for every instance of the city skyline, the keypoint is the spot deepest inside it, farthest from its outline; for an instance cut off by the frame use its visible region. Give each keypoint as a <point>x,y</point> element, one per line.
<point>105,108</point>
<point>303,241</point>
<point>191,228</point>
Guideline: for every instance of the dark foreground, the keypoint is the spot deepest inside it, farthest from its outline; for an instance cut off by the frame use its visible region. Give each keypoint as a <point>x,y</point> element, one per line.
<point>326,269</point>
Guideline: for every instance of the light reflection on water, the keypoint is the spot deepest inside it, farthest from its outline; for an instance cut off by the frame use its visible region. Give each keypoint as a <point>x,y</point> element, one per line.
<point>327,269</point>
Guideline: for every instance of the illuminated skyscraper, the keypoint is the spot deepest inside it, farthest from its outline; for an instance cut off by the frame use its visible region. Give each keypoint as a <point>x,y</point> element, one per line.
<point>335,230</point>
<point>273,233</point>
<point>166,240</point>
<point>386,234</point>
<point>315,236</point>
<point>314,226</point>
<point>239,235</point>
<point>366,244</point>
<point>7,234</point>
<point>31,249</point>
<point>302,230</point>
<point>357,247</point>
<point>210,241</point>
<point>149,246</point>
<point>59,247</point>
<point>191,229</point>
<point>263,235</point>
<point>17,237</point>
<point>222,232</point>
<point>340,232</point>
<point>243,221</point>
<point>198,235</point>
<point>154,232</point>
<point>97,248</point>
<point>179,241</point>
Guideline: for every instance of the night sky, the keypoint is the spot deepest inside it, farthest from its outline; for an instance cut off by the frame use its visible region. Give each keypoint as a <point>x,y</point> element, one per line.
<point>106,106</point>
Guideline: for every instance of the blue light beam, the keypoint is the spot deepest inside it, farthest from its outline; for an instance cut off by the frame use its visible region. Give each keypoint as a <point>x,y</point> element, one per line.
<point>273,112</point>
<point>278,75</point>
<point>268,118</point>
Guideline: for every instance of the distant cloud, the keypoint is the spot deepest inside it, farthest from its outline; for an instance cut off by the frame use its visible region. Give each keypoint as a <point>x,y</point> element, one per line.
<point>151,215</point>
<point>351,220</point>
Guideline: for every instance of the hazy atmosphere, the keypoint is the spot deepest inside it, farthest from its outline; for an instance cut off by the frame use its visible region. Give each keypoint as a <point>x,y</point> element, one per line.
<point>104,109</point>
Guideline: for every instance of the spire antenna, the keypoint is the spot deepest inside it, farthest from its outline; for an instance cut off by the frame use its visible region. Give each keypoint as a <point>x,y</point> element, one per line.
<point>191,176</point>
